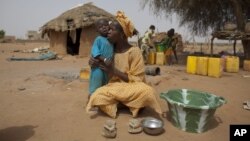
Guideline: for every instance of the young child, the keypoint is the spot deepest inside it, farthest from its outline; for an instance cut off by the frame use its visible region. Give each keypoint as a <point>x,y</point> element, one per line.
<point>223,55</point>
<point>102,50</point>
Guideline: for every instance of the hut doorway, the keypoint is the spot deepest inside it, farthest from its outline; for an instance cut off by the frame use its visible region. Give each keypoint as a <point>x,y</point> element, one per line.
<point>73,41</point>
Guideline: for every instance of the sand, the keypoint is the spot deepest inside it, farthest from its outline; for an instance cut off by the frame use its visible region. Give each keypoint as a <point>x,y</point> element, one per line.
<point>45,100</point>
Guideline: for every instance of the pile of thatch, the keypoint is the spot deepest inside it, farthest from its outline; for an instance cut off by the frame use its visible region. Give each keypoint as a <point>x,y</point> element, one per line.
<point>231,35</point>
<point>79,17</point>
<point>159,37</point>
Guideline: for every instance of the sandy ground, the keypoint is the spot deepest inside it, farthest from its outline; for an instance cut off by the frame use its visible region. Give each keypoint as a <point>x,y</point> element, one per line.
<point>44,101</point>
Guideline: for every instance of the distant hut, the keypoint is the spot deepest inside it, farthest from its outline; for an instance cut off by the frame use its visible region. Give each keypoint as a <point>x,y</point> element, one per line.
<point>8,39</point>
<point>33,35</point>
<point>73,32</point>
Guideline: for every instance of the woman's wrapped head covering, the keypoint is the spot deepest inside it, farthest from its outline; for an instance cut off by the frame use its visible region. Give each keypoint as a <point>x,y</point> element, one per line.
<point>126,23</point>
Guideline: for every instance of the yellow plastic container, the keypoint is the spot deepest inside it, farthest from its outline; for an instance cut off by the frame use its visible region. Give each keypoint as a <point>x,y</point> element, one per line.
<point>202,65</point>
<point>191,64</point>
<point>246,65</point>
<point>214,67</point>
<point>232,64</point>
<point>160,58</point>
<point>151,58</point>
<point>85,73</point>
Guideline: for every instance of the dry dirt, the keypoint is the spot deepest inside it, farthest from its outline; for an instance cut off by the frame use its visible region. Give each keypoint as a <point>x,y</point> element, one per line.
<point>44,101</point>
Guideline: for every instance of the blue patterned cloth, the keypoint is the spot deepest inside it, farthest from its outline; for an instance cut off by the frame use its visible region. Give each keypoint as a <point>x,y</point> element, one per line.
<point>98,77</point>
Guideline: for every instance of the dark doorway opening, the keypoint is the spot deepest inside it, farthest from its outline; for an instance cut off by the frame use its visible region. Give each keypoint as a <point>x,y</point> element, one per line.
<point>73,43</point>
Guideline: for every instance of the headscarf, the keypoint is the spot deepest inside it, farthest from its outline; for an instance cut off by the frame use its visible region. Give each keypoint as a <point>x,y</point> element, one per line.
<point>126,23</point>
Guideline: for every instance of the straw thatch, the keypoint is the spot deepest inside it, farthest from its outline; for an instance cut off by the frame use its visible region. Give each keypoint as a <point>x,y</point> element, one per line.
<point>159,37</point>
<point>73,32</point>
<point>79,17</point>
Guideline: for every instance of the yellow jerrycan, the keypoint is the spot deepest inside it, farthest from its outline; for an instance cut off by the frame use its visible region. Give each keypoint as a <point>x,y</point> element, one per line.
<point>160,58</point>
<point>232,64</point>
<point>191,64</point>
<point>151,57</point>
<point>246,65</point>
<point>214,67</point>
<point>85,73</point>
<point>202,66</point>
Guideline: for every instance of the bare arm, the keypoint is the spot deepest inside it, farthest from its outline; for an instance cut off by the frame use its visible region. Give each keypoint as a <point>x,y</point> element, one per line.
<point>114,72</point>
<point>123,76</point>
<point>93,62</point>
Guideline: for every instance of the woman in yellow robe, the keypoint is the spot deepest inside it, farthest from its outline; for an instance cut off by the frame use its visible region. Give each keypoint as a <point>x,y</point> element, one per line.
<point>127,84</point>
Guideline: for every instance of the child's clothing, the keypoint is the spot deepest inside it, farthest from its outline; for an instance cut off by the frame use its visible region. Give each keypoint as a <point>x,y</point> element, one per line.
<point>98,77</point>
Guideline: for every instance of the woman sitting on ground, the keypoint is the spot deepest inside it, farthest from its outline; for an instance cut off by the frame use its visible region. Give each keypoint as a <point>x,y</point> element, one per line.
<point>127,84</point>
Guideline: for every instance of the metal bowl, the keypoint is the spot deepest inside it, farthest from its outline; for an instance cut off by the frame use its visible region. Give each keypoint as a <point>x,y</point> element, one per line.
<point>152,126</point>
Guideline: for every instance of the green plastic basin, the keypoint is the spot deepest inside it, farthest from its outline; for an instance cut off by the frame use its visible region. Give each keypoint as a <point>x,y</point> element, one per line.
<point>191,110</point>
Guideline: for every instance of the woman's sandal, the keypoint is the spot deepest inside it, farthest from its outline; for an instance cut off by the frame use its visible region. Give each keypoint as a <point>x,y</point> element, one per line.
<point>93,111</point>
<point>109,129</point>
<point>246,105</point>
<point>134,126</point>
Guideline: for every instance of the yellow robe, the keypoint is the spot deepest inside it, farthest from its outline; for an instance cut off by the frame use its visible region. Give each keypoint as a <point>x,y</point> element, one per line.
<point>135,94</point>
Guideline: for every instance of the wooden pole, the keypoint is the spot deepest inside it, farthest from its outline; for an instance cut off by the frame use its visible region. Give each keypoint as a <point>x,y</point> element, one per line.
<point>211,51</point>
<point>234,48</point>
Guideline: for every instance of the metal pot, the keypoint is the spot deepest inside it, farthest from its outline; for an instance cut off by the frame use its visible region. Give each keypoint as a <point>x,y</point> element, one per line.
<point>229,26</point>
<point>247,27</point>
<point>152,126</point>
<point>152,71</point>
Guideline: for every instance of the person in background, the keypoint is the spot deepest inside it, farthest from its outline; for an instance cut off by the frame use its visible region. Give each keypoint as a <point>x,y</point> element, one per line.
<point>223,55</point>
<point>127,84</point>
<point>147,42</point>
<point>168,43</point>
<point>102,50</point>
<point>174,45</point>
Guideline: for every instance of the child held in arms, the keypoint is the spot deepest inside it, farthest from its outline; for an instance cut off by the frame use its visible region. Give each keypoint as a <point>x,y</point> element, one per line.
<point>102,50</point>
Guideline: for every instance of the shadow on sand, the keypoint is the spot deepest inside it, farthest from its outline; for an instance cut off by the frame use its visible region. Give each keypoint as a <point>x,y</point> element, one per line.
<point>122,109</point>
<point>17,133</point>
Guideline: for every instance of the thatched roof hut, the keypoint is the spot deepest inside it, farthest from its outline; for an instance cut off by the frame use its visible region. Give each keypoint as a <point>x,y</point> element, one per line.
<point>73,32</point>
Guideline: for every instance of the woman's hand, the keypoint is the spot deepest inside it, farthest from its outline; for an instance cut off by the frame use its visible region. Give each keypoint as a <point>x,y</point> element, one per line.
<point>108,62</point>
<point>112,71</point>
<point>107,67</point>
<point>94,62</point>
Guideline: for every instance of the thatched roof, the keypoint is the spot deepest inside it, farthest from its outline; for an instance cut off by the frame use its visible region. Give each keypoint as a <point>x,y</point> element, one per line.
<point>81,16</point>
